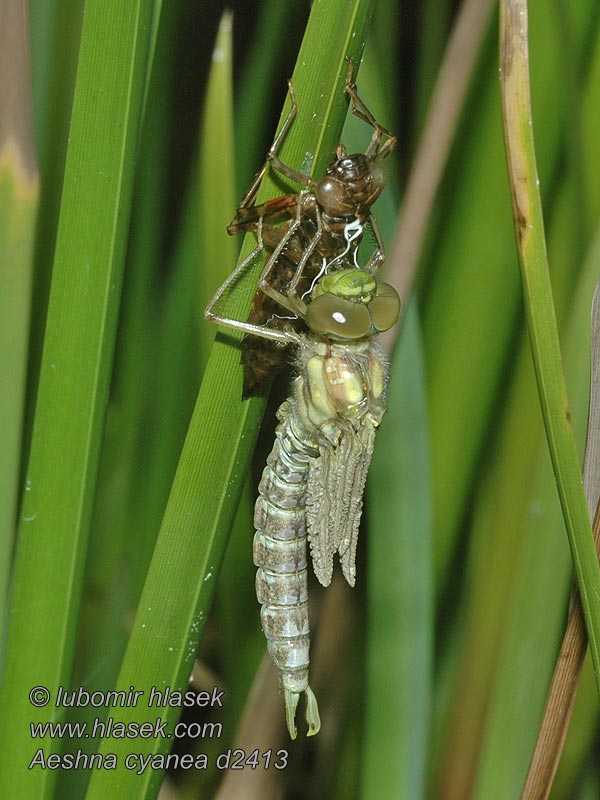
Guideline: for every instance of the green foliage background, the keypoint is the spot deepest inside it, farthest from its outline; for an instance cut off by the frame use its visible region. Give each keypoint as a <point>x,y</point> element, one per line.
<point>128,481</point>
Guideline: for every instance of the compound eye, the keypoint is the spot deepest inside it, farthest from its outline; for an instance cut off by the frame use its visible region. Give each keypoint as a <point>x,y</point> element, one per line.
<point>378,176</point>
<point>385,307</point>
<point>337,318</point>
<point>331,196</point>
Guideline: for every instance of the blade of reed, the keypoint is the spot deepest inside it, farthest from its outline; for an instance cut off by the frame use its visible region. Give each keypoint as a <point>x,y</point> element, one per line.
<point>382,49</point>
<point>260,81</point>
<point>539,307</point>
<point>217,179</point>
<point>19,192</point>
<point>215,456</point>
<point>74,378</point>
<point>116,526</point>
<point>55,38</point>
<point>399,634</point>
<point>494,554</point>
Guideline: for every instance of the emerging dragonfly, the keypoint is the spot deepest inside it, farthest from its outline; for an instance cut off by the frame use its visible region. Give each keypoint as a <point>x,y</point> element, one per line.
<point>322,224</point>
<point>314,480</point>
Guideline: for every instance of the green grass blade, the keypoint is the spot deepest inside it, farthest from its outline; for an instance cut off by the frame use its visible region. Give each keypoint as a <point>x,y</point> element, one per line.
<point>260,81</point>
<point>74,379</point>
<point>215,456</point>
<point>19,190</point>
<point>400,612</point>
<point>55,37</point>
<point>217,178</point>
<point>539,307</point>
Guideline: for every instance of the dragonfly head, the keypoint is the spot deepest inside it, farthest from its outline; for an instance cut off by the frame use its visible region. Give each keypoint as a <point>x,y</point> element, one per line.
<point>351,304</point>
<point>351,185</point>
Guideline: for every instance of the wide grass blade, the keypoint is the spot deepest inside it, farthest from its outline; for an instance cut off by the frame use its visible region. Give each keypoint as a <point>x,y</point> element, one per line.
<point>73,387</point>
<point>216,453</point>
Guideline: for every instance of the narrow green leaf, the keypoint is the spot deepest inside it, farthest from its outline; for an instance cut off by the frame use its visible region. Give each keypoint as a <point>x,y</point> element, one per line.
<point>19,190</point>
<point>74,379</point>
<point>217,179</point>
<point>260,81</point>
<point>55,37</point>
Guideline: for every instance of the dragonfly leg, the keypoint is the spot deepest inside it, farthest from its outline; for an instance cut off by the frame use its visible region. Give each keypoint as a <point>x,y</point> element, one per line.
<point>360,110</point>
<point>289,301</point>
<point>247,327</point>
<point>378,256</point>
<point>248,199</point>
<point>307,253</point>
<point>247,204</point>
<point>273,158</point>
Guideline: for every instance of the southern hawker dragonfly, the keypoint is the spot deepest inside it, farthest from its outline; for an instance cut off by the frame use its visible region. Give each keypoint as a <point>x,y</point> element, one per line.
<point>312,487</point>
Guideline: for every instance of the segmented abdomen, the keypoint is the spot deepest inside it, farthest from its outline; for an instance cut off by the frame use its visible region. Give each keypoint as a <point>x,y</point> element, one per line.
<point>280,553</point>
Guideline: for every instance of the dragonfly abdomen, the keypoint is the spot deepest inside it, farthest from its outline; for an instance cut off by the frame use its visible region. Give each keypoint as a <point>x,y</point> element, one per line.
<point>280,555</point>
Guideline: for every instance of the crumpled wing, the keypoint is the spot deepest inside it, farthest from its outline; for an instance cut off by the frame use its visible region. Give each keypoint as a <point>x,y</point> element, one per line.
<point>336,484</point>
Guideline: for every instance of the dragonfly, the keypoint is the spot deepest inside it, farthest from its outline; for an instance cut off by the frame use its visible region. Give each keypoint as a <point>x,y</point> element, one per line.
<point>312,488</point>
<point>322,225</point>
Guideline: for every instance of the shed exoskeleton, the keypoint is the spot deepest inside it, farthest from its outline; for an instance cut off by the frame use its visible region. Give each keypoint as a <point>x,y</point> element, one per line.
<point>322,224</point>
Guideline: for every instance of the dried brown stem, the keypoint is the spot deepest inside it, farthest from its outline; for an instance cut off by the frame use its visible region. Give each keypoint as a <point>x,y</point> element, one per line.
<point>561,697</point>
<point>261,728</point>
